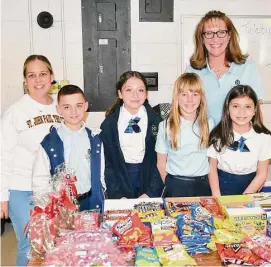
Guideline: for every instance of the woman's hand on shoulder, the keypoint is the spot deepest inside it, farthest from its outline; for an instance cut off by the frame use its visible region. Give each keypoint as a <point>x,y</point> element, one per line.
<point>4,210</point>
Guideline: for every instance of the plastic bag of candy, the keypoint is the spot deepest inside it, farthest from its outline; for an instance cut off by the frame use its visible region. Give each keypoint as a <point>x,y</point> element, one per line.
<point>42,227</point>
<point>238,253</point>
<point>260,245</point>
<point>115,215</point>
<point>91,248</point>
<point>143,207</point>
<point>149,211</point>
<point>86,220</point>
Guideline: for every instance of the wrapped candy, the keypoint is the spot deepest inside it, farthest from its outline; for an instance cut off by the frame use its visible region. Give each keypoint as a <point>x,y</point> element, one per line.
<point>54,210</point>
<point>43,228</point>
<point>115,215</point>
<point>86,220</point>
<point>79,248</point>
<point>260,245</point>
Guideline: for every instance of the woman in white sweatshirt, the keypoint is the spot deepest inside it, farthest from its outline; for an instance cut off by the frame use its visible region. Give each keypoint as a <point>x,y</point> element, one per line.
<point>23,127</point>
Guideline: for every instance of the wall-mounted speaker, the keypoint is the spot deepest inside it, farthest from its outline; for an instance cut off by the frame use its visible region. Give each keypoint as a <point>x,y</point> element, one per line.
<point>45,20</point>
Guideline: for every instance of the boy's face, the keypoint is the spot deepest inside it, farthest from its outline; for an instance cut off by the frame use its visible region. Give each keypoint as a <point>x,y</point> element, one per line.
<point>72,108</point>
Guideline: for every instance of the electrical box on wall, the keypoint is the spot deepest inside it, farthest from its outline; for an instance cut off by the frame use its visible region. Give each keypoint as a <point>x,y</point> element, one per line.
<point>152,80</point>
<point>156,10</point>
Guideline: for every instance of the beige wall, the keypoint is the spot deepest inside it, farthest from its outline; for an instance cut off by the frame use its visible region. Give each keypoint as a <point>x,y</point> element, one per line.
<point>155,46</point>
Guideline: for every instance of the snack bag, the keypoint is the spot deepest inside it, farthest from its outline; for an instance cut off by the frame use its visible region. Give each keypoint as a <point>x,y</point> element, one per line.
<point>164,238</point>
<point>177,208</point>
<point>174,255</point>
<point>164,223</point>
<point>238,253</point>
<point>200,214</point>
<point>131,231</point>
<point>210,204</point>
<point>146,256</point>
<point>151,216</point>
<point>115,215</point>
<point>143,207</point>
<point>228,237</point>
<point>260,245</point>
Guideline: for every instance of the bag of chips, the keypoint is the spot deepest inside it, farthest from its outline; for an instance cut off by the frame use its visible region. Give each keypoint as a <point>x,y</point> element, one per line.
<point>146,256</point>
<point>174,255</point>
<point>238,253</point>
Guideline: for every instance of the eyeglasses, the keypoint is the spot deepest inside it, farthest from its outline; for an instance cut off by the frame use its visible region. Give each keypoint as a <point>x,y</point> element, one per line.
<point>220,34</point>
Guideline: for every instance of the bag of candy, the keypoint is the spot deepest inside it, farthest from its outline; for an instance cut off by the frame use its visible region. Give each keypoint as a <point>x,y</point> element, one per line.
<point>43,227</point>
<point>86,220</point>
<point>238,253</point>
<point>260,245</point>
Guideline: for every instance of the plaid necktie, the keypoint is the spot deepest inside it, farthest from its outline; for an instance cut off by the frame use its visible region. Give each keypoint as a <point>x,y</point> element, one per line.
<point>132,126</point>
<point>240,144</point>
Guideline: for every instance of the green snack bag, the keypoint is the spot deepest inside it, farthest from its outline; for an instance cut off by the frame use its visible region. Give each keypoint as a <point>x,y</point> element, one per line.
<point>146,256</point>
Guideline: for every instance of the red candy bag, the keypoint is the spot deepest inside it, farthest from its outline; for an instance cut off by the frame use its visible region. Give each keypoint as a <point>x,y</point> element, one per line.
<point>238,253</point>
<point>260,245</point>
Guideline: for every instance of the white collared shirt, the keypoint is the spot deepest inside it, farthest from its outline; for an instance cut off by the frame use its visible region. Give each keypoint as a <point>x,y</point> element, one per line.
<point>238,162</point>
<point>77,155</point>
<point>132,144</point>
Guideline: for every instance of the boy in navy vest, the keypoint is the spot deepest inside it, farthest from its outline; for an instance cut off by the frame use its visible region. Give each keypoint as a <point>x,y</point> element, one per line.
<point>73,143</point>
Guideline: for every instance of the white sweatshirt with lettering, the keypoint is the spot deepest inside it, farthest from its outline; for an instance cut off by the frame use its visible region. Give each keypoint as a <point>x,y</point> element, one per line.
<point>23,127</point>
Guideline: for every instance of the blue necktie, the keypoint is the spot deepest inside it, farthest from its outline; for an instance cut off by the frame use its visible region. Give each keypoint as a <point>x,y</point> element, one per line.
<point>240,144</point>
<point>132,126</point>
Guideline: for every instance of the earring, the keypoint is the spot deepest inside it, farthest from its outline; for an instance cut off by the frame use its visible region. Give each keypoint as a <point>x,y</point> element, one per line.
<point>25,88</point>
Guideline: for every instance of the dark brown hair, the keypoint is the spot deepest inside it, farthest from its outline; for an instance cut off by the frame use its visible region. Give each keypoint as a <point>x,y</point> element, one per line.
<point>122,80</point>
<point>222,135</point>
<point>70,89</point>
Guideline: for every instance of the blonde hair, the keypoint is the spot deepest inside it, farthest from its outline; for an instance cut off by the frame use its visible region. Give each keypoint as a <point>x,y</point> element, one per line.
<point>233,50</point>
<point>191,82</point>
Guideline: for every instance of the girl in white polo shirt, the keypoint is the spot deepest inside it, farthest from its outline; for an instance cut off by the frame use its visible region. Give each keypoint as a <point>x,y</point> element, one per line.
<point>182,140</point>
<point>240,145</point>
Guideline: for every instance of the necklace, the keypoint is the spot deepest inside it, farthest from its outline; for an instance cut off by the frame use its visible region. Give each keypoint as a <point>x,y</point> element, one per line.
<point>216,69</point>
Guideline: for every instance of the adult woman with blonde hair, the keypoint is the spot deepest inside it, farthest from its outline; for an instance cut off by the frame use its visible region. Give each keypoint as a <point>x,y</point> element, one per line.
<point>23,127</point>
<point>182,140</point>
<point>219,61</point>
